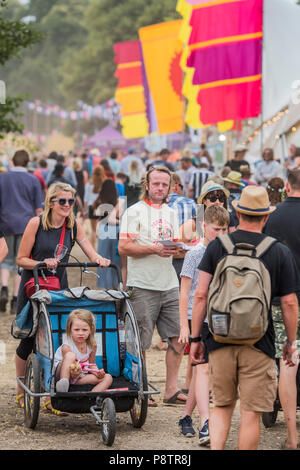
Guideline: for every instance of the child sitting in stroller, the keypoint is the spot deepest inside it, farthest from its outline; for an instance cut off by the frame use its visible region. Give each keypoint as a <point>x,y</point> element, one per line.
<point>74,360</point>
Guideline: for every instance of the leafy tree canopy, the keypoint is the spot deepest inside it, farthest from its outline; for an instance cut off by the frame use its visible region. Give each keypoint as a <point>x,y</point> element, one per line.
<point>14,37</point>
<point>75,61</point>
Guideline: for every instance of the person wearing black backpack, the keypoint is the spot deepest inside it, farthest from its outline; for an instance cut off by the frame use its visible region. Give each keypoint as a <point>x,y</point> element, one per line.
<point>244,370</point>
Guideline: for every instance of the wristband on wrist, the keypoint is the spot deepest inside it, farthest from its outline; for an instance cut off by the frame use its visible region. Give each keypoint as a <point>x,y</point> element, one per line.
<point>293,344</point>
<point>195,340</point>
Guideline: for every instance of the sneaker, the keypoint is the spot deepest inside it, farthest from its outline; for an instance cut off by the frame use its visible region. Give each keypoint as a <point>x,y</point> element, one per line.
<point>13,306</point>
<point>3,299</point>
<point>204,438</point>
<point>186,428</point>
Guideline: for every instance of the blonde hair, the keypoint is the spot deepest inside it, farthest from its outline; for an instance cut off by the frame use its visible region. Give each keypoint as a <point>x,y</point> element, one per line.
<point>134,166</point>
<point>77,165</point>
<point>146,180</point>
<point>176,179</point>
<point>88,317</point>
<point>51,194</point>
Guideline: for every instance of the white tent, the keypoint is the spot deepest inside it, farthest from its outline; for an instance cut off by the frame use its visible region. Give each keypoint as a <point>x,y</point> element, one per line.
<point>281,76</point>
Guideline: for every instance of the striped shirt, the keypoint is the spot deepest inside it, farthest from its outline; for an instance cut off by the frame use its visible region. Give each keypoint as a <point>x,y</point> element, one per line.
<point>185,207</point>
<point>198,179</point>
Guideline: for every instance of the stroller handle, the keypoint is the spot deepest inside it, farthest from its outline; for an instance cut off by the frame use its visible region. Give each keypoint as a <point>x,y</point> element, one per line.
<point>72,265</point>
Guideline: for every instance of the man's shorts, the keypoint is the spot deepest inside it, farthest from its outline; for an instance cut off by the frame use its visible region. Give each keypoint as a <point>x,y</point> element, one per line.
<point>280,335</point>
<point>160,308</point>
<point>13,243</point>
<point>243,372</point>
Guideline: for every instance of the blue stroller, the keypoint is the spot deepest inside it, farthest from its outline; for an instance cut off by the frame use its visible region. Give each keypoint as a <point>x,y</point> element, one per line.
<point>118,353</point>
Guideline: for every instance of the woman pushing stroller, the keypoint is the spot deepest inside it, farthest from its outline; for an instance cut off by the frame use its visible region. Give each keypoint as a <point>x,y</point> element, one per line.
<point>55,228</point>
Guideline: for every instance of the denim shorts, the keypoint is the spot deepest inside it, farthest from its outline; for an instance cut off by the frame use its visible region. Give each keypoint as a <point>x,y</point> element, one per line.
<point>156,308</point>
<point>13,243</point>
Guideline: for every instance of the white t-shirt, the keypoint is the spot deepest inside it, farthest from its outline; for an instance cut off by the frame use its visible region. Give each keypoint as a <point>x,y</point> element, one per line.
<point>89,195</point>
<point>81,357</point>
<point>146,225</point>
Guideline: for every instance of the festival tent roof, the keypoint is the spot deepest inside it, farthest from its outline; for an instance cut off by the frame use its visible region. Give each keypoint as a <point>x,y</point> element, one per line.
<point>106,138</point>
<point>281,72</point>
<point>281,65</point>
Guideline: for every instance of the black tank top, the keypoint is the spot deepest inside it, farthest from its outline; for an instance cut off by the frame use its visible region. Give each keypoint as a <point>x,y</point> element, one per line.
<point>44,246</point>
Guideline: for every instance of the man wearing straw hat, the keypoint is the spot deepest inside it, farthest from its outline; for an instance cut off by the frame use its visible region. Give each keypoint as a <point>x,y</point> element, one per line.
<point>233,182</point>
<point>247,369</point>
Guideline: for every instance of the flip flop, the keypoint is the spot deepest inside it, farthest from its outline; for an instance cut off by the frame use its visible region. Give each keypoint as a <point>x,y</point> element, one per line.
<point>53,410</point>
<point>18,398</point>
<point>152,402</point>
<point>174,399</point>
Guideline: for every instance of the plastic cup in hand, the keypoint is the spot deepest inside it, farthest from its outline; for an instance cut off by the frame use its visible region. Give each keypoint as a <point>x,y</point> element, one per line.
<point>59,253</point>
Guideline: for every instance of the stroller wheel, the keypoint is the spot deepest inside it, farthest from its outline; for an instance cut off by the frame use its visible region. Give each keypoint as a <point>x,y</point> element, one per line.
<point>108,414</point>
<point>32,382</point>
<point>139,410</point>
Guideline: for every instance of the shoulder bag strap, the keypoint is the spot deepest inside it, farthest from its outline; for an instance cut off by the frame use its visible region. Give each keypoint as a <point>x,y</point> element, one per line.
<point>62,237</point>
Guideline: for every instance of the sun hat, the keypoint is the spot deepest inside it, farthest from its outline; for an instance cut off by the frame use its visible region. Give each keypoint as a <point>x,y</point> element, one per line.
<point>210,186</point>
<point>240,148</point>
<point>234,177</point>
<point>245,169</point>
<point>254,200</point>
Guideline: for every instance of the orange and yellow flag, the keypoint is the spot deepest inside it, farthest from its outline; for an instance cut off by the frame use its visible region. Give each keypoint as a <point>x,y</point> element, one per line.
<point>161,49</point>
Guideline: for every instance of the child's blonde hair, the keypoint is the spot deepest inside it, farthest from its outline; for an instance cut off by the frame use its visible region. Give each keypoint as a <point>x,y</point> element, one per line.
<point>88,317</point>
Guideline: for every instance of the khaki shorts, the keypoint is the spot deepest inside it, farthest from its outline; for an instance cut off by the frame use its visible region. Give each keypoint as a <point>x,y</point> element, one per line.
<point>156,308</point>
<point>246,373</point>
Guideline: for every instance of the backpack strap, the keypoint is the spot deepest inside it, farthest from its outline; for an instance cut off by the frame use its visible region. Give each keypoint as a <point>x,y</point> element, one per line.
<point>240,248</point>
<point>264,245</point>
<point>227,243</point>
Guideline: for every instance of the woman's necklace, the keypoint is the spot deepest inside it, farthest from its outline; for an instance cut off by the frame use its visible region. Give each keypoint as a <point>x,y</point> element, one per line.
<point>57,222</point>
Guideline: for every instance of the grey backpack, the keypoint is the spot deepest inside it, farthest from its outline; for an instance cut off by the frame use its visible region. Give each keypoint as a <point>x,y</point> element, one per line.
<point>239,295</point>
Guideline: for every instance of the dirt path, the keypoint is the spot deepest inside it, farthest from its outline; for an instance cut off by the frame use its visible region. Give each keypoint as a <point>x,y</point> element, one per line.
<point>79,432</point>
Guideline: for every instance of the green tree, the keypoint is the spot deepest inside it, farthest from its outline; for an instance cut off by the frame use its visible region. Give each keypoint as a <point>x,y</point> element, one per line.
<point>38,72</point>
<point>88,73</point>
<point>75,60</point>
<point>14,37</point>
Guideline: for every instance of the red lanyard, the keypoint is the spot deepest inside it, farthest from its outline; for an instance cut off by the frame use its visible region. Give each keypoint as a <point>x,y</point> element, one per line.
<point>62,238</point>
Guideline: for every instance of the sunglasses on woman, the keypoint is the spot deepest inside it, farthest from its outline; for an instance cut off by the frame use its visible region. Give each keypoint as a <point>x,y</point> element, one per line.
<point>62,201</point>
<point>213,197</point>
